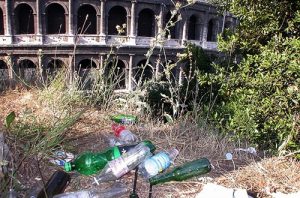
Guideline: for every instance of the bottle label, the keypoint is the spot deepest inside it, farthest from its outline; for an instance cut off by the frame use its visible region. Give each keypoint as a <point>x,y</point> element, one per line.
<point>118,167</point>
<point>125,149</point>
<point>127,121</point>
<point>162,161</point>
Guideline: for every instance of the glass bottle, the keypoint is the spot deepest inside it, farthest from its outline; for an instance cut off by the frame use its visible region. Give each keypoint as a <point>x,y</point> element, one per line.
<point>181,173</point>
<point>124,119</point>
<point>55,185</point>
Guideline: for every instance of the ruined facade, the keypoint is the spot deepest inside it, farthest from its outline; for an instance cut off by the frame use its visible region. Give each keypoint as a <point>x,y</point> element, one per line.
<point>43,35</point>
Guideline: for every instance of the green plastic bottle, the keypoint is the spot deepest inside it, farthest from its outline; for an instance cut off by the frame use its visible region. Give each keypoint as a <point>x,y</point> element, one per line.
<point>181,173</point>
<point>124,119</point>
<point>90,163</point>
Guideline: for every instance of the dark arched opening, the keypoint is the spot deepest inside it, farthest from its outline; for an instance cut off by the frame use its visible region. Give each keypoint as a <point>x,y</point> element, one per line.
<point>86,20</point>
<point>24,21</point>
<point>192,28</point>
<point>54,66</point>
<point>27,70</point>
<point>4,75</point>
<point>55,19</point>
<point>116,72</point>
<point>117,16</point>
<point>146,23</point>
<point>1,22</point>
<point>211,31</point>
<point>171,32</point>
<point>84,70</point>
<point>143,72</point>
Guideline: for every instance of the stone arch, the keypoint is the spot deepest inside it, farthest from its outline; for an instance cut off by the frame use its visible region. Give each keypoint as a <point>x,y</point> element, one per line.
<point>173,31</point>
<point>27,70</point>
<point>117,15</point>
<point>116,72</point>
<point>146,23</point>
<point>1,22</point>
<point>24,19</point>
<point>87,19</point>
<point>55,19</point>
<point>212,30</point>
<point>145,75</point>
<point>194,27</point>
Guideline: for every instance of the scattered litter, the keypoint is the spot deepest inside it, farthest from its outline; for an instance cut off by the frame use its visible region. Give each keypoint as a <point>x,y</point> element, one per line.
<point>38,179</point>
<point>228,156</point>
<point>211,190</point>
<point>250,150</point>
<point>61,157</point>
<point>282,195</point>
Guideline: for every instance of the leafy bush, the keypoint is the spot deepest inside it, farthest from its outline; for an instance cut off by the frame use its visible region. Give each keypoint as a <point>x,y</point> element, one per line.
<point>259,97</point>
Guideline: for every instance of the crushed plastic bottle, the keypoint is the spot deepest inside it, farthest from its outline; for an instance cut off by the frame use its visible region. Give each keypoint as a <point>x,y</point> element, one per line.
<point>90,163</point>
<point>124,135</point>
<point>122,165</point>
<point>115,191</point>
<point>157,163</point>
<point>113,141</point>
<point>60,157</point>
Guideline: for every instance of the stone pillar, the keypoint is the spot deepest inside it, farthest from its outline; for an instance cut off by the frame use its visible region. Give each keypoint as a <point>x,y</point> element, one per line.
<point>8,21</point>
<point>102,20</point>
<point>129,84</point>
<point>10,65</point>
<point>38,18</point>
<point>132,34</point>
<point>71,29</point>
<point>184,31</point>
<point>132,24</point>
<point>71,68</point>
<point>160,22</point>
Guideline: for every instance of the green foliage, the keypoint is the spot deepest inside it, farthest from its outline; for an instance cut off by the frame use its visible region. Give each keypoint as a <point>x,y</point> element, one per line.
<point>9,119</point>
<point>259,97</point>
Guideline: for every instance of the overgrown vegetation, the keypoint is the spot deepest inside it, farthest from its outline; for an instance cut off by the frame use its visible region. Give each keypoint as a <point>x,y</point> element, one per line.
<point>258,95</point>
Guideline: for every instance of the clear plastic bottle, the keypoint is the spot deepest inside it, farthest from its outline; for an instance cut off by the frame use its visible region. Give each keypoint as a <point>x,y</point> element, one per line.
<point>122,165</point>
<point>157,163</point>
<point>125,136</point>
<point>90,163</point>
<point>115,191</point>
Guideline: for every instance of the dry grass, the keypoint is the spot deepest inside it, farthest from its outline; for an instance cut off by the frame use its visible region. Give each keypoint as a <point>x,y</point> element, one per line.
<point>191,139</point>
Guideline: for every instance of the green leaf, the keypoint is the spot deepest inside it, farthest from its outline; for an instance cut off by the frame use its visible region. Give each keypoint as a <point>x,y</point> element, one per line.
<point>9,119</point>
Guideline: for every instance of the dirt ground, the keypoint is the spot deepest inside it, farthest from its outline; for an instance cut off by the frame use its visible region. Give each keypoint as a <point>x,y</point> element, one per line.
<point>259,174</point>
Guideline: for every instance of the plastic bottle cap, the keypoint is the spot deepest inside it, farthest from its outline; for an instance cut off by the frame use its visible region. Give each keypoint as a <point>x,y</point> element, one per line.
<point>149,144</point>
<point>117,129</point>
<point>68,166</point>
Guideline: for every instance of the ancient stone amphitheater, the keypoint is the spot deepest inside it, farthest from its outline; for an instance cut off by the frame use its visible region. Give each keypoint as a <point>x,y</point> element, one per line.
<point>40,36</point>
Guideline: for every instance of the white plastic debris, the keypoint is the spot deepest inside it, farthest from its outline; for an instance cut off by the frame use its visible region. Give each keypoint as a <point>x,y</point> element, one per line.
<point>228,156</point>
<point>282,195</point>
<point>250,150</point>
<point>211,190</point>
<point>61,157</point>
